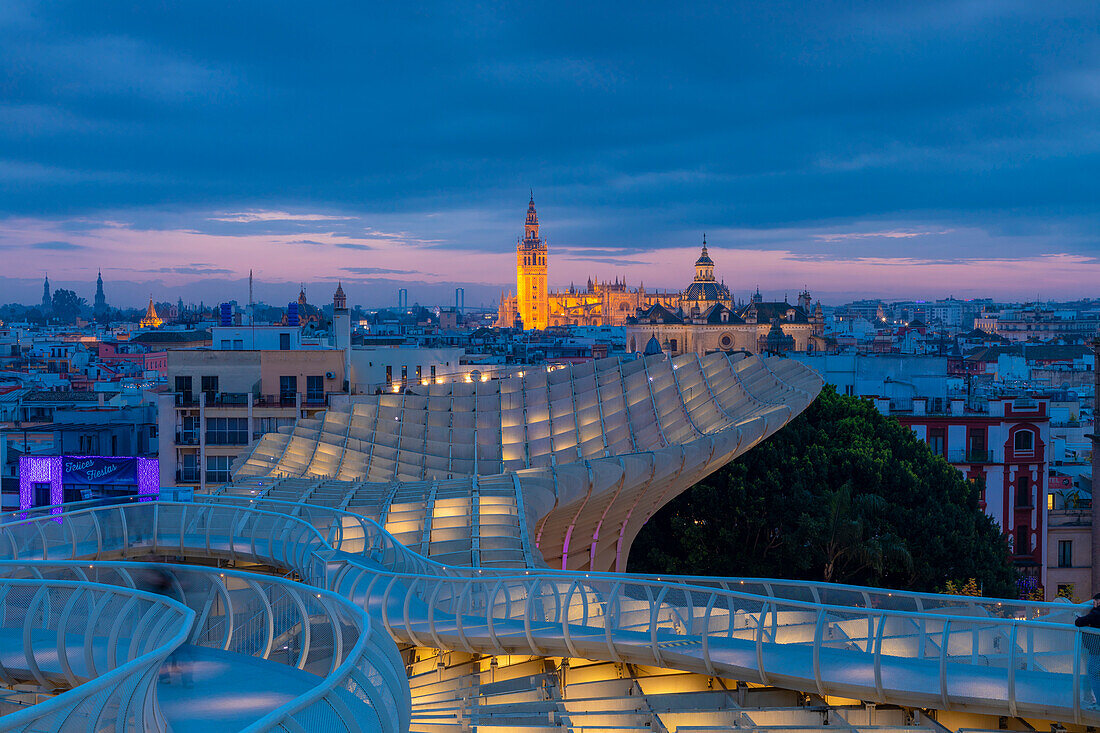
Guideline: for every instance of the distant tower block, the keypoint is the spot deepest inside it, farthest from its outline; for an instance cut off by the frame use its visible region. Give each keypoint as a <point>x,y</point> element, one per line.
<point>532,295</point>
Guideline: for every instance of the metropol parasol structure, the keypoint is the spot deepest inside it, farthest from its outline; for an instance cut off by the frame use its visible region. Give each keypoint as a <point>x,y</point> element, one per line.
<point>456,561</point>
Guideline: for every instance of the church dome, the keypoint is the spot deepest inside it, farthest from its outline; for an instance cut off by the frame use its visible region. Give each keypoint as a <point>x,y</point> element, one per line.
<point>652,347</point>
<point>707,291</point>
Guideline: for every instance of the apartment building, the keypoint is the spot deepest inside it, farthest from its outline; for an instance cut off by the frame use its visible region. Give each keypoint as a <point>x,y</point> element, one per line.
<point>1003,446</point>
<point>222,400</point>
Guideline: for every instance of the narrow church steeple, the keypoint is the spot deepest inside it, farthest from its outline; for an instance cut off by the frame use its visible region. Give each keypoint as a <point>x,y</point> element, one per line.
<point>100,304</point>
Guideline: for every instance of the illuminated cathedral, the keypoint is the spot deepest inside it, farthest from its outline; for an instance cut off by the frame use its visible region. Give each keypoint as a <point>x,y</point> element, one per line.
<point>700,319</point>
<point>535,306</point>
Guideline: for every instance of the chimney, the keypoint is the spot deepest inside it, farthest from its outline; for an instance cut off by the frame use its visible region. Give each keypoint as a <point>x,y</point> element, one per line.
<point>919,405</point>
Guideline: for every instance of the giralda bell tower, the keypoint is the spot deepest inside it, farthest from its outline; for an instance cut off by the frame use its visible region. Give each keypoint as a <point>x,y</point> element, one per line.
<point>532,296</point>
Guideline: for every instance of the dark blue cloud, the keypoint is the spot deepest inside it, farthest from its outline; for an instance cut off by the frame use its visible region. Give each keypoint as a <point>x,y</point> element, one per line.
<point>637,129</point>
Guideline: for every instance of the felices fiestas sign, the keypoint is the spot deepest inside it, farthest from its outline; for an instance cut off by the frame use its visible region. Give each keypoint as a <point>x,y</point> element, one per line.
<point>99,470</point>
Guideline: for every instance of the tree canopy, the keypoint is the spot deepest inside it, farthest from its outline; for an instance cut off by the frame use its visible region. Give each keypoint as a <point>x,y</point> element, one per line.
<point>842,494</point>
<point>67,305</point>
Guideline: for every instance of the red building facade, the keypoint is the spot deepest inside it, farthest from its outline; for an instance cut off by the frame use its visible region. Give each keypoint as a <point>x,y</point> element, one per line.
<point>1006,449</point>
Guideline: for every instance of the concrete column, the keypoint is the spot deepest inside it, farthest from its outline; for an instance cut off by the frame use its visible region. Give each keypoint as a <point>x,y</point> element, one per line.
<point>1096,466</point>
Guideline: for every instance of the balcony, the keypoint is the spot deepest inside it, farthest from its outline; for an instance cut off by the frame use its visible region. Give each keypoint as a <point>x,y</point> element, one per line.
<point>187,437</point>
<point>972,456</point>
<point>187,476</point>
<point>226,398</point>
<point>274,400</point>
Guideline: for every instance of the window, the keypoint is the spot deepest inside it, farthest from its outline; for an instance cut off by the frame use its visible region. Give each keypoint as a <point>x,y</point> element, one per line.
<point>419,372</point>
<point>1065,553</point>
<point>1023,539</point>
<point>936,440</point>
<point>1023,491</point>
<point>849,390</point>
<point>1024,441</point>
<point>227,431</point>
<point>315,388</point>
<point>226,343</point>
<point>389,374</point>
<point>672,343</point>
<point>433,371</point>
<point>977,444</point>
<point>210,387</point>
<point>238,344</point>
<point>288,388</point>
<point>284,342</point>
<point>183,386</point>
<point>217,469</point>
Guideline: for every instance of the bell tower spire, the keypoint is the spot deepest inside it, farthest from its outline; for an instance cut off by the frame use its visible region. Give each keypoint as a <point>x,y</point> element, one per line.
<point>532,295</point>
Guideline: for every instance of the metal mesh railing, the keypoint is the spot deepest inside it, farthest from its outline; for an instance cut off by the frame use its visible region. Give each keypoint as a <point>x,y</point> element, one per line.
<point>838,641</point>
<point>102,645</point>
<point>359,670</point>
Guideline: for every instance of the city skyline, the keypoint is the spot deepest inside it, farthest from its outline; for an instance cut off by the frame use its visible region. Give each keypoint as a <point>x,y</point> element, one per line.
<point>884,151</point>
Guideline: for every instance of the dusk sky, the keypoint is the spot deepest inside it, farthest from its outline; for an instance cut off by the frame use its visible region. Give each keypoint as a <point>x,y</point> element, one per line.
<point>871,149</point>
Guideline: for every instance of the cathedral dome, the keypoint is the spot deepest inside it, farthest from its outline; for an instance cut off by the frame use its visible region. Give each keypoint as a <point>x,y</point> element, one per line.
<point>652,347</point>
<point>709,291</point>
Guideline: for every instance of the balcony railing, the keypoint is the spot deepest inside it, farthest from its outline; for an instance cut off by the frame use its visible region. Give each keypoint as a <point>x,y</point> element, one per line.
<point>187,437</point>
<point>275,400</point>
<point>969,455</point>
<point>184,475</point>
<point>227,398</point>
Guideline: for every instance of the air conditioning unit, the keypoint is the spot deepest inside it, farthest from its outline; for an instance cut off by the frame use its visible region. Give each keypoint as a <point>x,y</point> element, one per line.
<point>330,375</point>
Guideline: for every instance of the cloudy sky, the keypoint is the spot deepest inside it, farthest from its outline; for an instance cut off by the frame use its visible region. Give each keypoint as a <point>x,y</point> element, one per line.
<point>858,148</point>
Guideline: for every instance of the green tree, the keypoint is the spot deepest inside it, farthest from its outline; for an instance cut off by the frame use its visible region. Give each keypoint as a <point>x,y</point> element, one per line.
<point>843,494</point>
<point>66,305</point>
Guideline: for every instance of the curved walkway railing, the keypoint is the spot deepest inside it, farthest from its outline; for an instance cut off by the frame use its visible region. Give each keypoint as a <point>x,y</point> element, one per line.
<point>362,683</point>
<point>962,658</point>
<point>105,644</point>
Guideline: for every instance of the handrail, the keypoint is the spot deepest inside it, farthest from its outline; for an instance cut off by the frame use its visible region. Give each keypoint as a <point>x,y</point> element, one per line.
<point>407,598</point>
<point>128,686</point>
<point>373,652</point>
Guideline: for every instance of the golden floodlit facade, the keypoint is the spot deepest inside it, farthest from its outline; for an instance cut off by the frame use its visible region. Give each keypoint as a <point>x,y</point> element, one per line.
<point>535,306</point>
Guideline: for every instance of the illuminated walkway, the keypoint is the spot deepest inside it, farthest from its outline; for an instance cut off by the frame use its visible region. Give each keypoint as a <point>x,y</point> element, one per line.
<point>361,515</point>
<point>965,655</point>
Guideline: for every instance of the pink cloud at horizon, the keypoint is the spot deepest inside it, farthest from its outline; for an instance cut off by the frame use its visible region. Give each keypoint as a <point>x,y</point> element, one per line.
<point>180,256</point>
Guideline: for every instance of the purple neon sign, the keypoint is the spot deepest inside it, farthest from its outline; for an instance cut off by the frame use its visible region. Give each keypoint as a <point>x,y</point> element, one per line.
<point>50,470</point>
